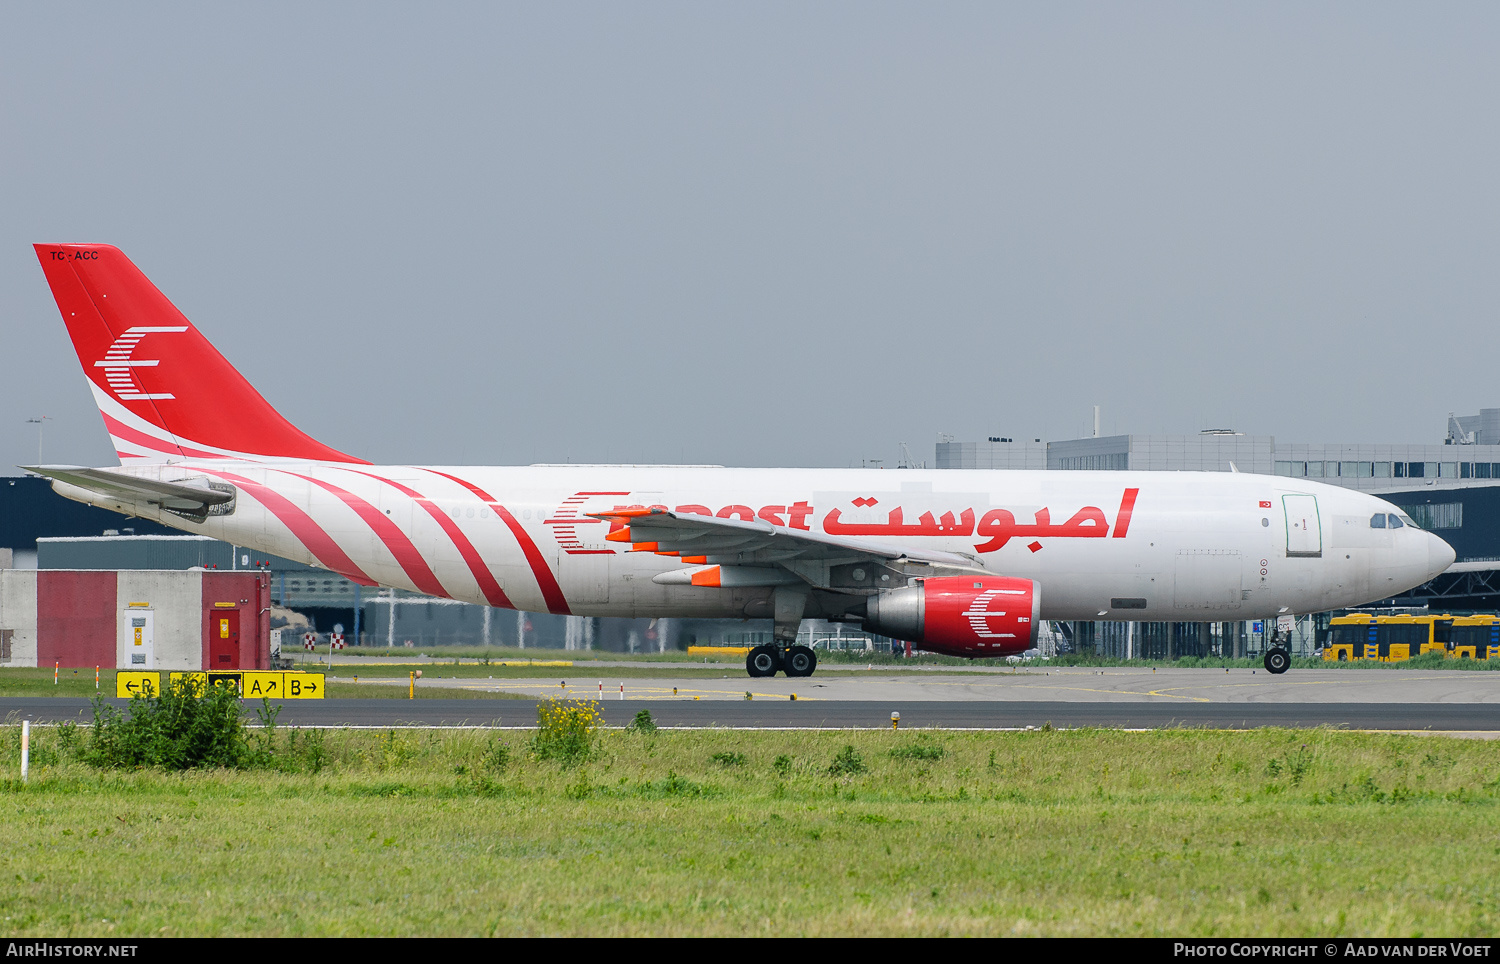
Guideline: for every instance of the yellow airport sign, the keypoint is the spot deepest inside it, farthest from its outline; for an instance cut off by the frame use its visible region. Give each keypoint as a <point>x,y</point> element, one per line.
<point>256,686</point>
<point>197,680</point>
<point>222,678</point>
<point>128,684</point>
<point>250,684</point>
<point>304,686</point>
<point>200,680</point>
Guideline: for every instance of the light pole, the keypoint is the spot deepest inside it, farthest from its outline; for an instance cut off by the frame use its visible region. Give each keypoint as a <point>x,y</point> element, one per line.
<point>38,423</point>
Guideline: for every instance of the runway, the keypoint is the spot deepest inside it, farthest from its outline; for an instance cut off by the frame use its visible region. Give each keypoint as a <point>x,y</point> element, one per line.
<point>1070,685</point>
<point>1432,700</point>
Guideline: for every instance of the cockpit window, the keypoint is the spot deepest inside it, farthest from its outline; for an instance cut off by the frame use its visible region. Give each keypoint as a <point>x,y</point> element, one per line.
<point>1395,522</point>
<point>1377,521</point>
<point>1403,517</point>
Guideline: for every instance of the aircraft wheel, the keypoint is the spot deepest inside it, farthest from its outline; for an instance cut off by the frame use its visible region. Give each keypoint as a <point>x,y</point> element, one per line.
<point>801,661</point>
<point>762,661</point>
<point>1277,660</point>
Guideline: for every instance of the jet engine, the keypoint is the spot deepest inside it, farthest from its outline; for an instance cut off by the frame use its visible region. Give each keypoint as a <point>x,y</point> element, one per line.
<point>960,615</point>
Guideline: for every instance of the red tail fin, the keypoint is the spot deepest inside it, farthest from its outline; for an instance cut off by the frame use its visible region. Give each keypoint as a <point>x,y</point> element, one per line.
<point>164,391</point>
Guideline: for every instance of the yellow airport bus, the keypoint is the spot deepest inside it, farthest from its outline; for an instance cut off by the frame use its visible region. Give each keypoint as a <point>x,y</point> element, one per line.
<point>1390,639</point>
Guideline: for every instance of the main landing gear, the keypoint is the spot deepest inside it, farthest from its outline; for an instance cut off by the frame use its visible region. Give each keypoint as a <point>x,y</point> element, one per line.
<point>766,660</point>
<point>783,653</point>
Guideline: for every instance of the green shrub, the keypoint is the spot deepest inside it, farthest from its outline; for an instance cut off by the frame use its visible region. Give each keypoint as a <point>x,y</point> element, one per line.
<point>307,755</point>
<point>393,750</point>
<point>1296,764</point>
<point>674,786</point>
<point>67,736</point>
<point>183,728</point>
<point>566,730</point>
<point>497,756</point>
<point>847,762</point>
<point>43,755</point>
<point>920,750</point>
<point>643,723</point>
<point>729,759</point>
<point>263,744</point>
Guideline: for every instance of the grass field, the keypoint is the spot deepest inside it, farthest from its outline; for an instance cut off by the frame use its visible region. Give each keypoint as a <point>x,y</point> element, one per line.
<point>583,671</point>
<point>31,681</point>
<point>777,833</point>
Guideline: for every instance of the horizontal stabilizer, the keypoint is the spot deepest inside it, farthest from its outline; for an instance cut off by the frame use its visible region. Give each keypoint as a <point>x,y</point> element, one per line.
<point>192,498</point>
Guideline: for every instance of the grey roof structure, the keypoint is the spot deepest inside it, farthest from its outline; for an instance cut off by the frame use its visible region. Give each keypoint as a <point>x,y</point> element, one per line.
<point>1470,455</point>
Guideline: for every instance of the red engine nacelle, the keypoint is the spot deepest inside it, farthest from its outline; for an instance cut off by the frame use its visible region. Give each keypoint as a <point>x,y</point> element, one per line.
<point>961,615</point>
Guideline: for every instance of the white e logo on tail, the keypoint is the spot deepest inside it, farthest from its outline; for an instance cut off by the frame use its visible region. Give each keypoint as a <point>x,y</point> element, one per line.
<point>117,363</point>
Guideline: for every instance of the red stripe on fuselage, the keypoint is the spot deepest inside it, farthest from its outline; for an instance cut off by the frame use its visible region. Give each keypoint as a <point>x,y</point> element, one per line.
<point>318,542</point>
<point>545,580</point>
<point>389,533</point>
<point>482,575</point>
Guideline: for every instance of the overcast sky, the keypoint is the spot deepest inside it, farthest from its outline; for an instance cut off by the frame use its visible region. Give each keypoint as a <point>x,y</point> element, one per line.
<point>761,234</point>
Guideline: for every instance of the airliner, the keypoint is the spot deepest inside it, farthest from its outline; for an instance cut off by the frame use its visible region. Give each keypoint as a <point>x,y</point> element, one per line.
<point>966,563</point>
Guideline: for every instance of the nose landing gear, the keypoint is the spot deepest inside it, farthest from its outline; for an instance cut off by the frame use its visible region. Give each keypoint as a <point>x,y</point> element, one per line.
<point>1277,660</point>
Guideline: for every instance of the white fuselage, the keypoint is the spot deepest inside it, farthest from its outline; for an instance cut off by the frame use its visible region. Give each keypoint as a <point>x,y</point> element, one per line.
<point>1183,546</point>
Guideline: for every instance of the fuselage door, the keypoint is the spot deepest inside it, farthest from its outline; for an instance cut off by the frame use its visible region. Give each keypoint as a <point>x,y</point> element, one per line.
<point>1304,532</point>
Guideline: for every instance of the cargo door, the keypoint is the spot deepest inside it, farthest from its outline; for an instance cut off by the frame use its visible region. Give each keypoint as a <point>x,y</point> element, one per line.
<point>223,639</point>
<point>1304,531</point>
<point>585,577</point>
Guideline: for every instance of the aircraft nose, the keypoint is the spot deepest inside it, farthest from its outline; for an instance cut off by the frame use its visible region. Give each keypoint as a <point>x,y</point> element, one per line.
<point>1440,556</point>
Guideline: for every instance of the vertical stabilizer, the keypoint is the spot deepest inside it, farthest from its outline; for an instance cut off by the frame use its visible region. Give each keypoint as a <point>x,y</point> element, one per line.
<point>164,391</point>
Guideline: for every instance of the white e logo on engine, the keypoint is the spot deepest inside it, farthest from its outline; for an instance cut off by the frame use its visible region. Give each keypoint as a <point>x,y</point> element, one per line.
<point>979,611</point>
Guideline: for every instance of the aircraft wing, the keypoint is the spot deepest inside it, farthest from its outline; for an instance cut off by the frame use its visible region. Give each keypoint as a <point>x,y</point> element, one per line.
<point>822,560</point>
<point>193,498</point>
<point>1484,566</point>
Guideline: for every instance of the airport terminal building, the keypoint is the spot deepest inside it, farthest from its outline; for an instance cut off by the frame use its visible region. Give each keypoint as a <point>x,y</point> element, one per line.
<point>1451,488</point>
